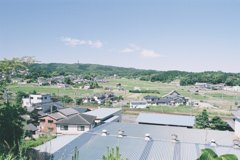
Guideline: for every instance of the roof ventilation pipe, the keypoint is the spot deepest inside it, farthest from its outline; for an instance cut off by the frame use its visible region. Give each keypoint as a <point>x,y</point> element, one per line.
<point>104,132</point>
<point>213,143</point>
<point>147,137</point>
<point>236,144</point>
<point>174,138</point>
<point>121,134</point>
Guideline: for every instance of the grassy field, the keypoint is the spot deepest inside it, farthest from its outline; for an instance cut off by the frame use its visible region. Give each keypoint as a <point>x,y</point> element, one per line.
<point>222,100</point>
<point>188,110</point>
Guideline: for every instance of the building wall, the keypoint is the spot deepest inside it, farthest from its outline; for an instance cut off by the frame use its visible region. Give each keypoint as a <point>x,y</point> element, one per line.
<point>33,99</point>
<point>119,114</point>
<point>46,126</point>
<point>138,105</point>
<point>40,98</point>
<point>237,127</point>
<point>72,129</point>
<point>26,102</point>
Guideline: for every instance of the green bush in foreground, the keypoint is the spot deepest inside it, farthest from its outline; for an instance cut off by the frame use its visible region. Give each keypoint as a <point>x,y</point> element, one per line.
<point>209,154</point>
<point>113,155</point>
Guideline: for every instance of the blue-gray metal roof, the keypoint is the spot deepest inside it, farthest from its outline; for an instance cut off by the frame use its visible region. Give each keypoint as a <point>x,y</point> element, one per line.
<point>92,146</point>
<point>166,119</point>
<point>103,113</point>
<point>112,119</point>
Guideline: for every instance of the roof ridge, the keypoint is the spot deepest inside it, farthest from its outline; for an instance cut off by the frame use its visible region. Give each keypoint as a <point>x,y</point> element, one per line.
<point>83,118</point>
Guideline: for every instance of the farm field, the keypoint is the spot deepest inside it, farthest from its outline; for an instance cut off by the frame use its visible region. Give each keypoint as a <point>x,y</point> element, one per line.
<point>222,101</point>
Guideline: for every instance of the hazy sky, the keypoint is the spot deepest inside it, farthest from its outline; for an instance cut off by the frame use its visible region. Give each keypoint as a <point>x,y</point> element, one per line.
<point>191,35</point>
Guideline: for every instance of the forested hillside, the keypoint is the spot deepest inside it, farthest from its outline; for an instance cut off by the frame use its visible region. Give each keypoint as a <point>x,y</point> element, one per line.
<point>186,78</point>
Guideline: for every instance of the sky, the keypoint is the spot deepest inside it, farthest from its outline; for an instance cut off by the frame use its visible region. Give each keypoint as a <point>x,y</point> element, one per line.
<point>187,35</point>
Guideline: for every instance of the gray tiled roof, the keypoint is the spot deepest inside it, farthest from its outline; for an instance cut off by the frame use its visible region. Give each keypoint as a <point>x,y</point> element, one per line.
<point>68,111</point>
<point>57,116</point>
<point>77,120</point>
<point>81,110</point>
<point>166,119</point>
<point>30,127</point>
<point>92,146</point>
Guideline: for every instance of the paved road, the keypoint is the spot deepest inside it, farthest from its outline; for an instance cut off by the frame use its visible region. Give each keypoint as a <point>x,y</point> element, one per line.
<point>129,118</point>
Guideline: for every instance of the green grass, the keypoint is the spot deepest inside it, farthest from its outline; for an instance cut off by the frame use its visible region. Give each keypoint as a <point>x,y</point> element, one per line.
<point>36,142</point>
<point>223,96</point>
<point>188,110</point>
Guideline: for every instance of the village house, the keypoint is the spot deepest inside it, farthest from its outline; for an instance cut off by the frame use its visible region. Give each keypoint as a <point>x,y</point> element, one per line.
<point>138,104</point>
<point>151,99</point>
<point>40,102</point>
<point>43,81</point>
<point>173,98</point>
<point>232,88</point>
<point>75,124</point>
<point>48,122</point>
<point>65,117</point>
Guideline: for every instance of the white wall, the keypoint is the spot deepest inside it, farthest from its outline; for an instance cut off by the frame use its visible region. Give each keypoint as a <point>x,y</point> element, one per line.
<point>26,102</point>
<point>237,127</point>
<point>138,105</point>
<point>72,129</point>
<point>39,98</point>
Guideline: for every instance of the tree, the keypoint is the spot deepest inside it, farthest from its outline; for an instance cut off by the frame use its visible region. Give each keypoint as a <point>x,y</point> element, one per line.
<point>79,101</point>
<point>11,124</point>
<point>202,120</point>
<point>67,80</point>
<point>19,96</point>
<point>112,154</point>
<point>66,99</point>
<point>219,124</point>
<point>209,154</point>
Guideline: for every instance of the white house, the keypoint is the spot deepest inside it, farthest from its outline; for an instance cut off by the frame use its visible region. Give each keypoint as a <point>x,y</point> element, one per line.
<point>35,99</point>
<point>75,124</point>
<point>138,104</point>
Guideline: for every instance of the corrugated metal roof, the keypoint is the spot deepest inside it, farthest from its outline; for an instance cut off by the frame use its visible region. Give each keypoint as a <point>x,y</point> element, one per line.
<point>112,119</point>
<point>166,119</point>
<point>103,113</point>
<point>92,146</point>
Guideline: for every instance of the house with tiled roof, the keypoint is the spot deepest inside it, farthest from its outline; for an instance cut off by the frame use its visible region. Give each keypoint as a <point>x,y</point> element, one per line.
<point>48,121</point>
<point>75,124</point>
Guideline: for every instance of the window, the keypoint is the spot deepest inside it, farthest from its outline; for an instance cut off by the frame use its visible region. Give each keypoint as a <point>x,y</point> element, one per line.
<point>81,128</point>
<point>65,128</point>
<point>45,97</point>
<point>50,121</point>
<point>42,120</point>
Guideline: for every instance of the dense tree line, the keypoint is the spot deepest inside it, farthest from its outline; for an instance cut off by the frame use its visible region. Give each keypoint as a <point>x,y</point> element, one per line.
<point>92,70</point>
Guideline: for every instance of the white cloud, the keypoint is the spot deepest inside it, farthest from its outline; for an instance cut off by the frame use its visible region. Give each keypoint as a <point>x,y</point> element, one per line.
<point>149,53</point>
<point>77,42</point>
<point>127,50</point>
